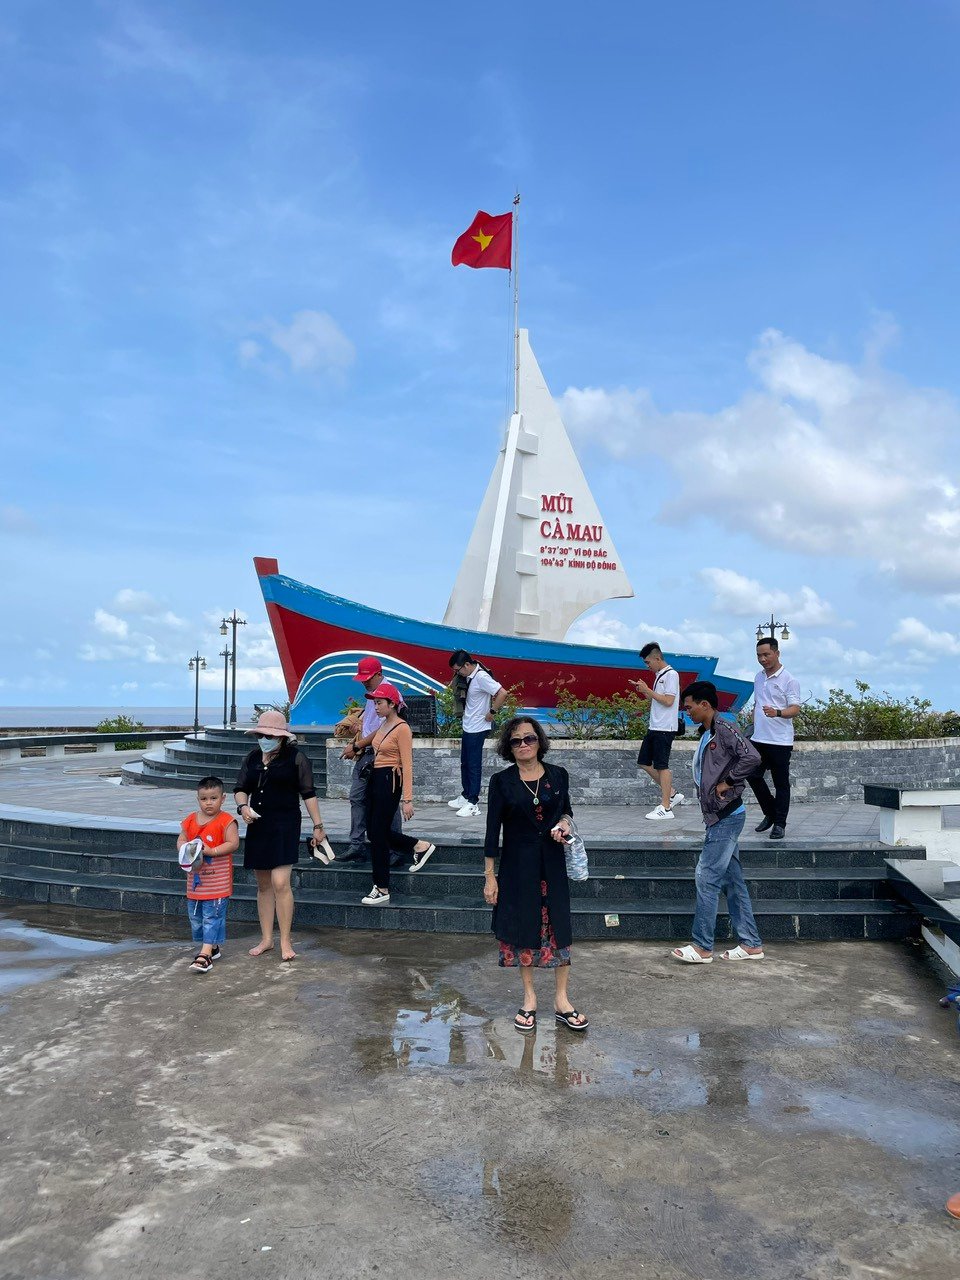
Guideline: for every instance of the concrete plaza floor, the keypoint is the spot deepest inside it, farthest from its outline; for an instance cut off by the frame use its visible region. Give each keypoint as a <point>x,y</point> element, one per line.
<point>79,786</point>
<point>370,1111</point>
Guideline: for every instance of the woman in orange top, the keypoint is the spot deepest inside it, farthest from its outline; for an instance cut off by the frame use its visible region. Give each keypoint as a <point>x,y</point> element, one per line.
<point>390,784</point>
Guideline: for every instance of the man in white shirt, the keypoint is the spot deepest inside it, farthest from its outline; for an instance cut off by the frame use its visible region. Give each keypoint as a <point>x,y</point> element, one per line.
<point>654,756</point>
<point>482,699</point>
<point>776,700</point>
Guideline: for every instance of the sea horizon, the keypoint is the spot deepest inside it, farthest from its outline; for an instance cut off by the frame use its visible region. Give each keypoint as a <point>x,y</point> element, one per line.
<point>83,717</point>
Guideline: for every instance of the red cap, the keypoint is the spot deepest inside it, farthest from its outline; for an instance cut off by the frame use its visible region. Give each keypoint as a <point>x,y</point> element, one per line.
<point>367,668</point>
<point>386,690</point>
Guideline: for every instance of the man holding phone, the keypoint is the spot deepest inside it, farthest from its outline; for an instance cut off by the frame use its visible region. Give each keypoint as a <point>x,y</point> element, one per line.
<point>654,755</point>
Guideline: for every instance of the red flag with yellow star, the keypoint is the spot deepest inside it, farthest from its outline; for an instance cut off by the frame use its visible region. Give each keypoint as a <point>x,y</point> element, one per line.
<point>487,242</point>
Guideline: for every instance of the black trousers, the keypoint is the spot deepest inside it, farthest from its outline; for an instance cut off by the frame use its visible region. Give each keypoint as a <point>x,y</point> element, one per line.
<point>776,758</point>
<point>383,796</point>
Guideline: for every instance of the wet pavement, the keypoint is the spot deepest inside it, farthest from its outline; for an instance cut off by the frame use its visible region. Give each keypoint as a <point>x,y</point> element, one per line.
<point>370,1111</point>
<point>84,788</point>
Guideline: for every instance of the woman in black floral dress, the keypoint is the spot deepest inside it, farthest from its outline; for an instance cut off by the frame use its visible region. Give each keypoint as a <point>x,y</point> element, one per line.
<point>530,894</point>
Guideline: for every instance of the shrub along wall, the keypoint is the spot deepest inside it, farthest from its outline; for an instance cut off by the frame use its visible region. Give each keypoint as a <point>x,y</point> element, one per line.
<point>607,773</point>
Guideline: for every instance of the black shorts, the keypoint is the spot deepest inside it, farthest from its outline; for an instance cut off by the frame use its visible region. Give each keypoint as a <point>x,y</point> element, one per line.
<point>655,748</point>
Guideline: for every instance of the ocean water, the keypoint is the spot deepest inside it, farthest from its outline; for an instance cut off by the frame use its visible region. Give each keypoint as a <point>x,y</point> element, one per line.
<point>90,717</point>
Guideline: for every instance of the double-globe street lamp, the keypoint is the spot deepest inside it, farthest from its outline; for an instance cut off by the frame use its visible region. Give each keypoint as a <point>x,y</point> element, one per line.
<point>233,621</point>
<point>227,658</point>
<point>771,626</point>
<point>196,665</point>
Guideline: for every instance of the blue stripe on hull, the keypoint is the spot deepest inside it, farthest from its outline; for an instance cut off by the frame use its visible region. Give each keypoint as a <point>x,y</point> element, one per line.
<point>327,685</point>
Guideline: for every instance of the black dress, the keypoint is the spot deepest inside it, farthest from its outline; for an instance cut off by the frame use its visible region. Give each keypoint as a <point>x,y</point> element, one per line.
<point>533,895</point>
<point>275,791</point>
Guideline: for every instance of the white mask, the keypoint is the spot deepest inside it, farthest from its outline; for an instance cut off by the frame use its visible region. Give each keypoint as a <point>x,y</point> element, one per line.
<point>268,744</point>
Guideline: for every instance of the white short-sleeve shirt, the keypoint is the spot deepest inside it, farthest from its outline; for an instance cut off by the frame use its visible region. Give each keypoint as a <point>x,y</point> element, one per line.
<point>481,690</point>
<point>779,690</point>
<point>665,719</point>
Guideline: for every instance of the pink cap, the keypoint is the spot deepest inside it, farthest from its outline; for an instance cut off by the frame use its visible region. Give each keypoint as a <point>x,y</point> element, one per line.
<point>386,690</point>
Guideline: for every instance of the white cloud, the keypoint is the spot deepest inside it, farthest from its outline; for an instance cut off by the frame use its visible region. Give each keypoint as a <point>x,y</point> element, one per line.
<point>821,458</point>
<point>691,637</point>
<point>746,598</point>
<point>248,351</point>
<point>130,601</point>
<point>925,644</point>
<point>110,625</point>
<point>313,343</point>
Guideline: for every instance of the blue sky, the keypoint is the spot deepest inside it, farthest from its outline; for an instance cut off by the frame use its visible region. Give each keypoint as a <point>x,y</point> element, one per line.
<point>231,326</point>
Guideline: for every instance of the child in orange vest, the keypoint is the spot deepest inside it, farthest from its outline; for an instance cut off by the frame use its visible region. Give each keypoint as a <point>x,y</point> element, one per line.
<point>210,872</point>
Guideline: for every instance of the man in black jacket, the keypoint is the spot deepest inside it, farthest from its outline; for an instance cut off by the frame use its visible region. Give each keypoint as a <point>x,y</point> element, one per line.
<point>723,761</point>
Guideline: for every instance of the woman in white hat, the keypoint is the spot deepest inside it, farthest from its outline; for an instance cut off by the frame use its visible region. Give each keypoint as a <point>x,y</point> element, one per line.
<point>273,779</point>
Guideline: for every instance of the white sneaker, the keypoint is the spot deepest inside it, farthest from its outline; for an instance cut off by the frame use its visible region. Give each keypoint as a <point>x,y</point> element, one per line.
<point>376,898</point>
<point>469,810</point>
<point>659,814</point>
<point>458,803</point>
<point>677,799</point>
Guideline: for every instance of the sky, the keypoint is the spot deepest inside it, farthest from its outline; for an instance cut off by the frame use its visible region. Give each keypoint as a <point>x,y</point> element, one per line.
<point>231,327</point>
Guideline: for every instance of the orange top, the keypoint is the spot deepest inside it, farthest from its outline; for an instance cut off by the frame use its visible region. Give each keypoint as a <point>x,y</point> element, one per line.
<point>216,874</point>
<point>394,750</point>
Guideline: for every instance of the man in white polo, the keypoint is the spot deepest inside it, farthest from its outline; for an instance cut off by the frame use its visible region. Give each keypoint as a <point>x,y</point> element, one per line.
<point>654,757</point>
<point>776,700</point>
<point>482,699</point>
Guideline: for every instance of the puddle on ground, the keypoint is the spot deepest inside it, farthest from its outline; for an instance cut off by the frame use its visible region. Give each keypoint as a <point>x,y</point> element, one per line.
<point>39,944</point>
<point>676,1069</point>
<point>529,1204</point>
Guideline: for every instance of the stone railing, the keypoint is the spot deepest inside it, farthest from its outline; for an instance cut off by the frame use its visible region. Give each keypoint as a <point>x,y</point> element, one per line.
<point>606,772</point>
<point>54,745</point>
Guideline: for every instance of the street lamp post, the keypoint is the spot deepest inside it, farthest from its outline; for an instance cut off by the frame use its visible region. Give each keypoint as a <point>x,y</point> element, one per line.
<point>196,665</point>
<point>233,621</point>
<point>771,626</point>
<point>225,655</point>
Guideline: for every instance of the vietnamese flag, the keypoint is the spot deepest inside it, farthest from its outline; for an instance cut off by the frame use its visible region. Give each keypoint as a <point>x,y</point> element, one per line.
<point>487,242</point>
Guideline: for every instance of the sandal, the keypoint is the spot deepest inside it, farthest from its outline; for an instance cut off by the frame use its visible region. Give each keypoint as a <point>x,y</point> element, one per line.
<point>525,1013</point>
<point>201,964</point>
<point>690,955</point>
<point>567,1020</point>
<point>738,953</point>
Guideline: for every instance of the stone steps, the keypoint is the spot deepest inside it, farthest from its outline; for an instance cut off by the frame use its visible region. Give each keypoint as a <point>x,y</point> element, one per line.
<point>800,891</point>
<point>778,919</point>
<point>184,762</point>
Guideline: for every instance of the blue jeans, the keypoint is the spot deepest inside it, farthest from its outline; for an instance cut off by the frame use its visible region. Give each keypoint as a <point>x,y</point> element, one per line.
<point>471,765</point>
<point>718,868</point>
<point>208,919</point>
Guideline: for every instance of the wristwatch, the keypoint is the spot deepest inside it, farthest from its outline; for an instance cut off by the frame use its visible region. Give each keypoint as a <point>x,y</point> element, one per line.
<point>779,712</point>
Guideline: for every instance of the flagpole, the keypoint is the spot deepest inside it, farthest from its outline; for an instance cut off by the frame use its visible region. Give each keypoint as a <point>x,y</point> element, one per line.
<point>516,303</point>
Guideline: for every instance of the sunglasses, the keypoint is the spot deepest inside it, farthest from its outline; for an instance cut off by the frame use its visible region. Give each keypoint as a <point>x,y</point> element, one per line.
<point>527,740</point>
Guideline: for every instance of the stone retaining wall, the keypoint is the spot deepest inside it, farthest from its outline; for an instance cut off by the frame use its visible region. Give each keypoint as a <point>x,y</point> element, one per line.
<point>606,772</point>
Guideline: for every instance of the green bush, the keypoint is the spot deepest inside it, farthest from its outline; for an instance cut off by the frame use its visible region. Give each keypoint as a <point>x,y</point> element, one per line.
<point>866,716</point>
<point>625,715</point>
<point>123,724</point>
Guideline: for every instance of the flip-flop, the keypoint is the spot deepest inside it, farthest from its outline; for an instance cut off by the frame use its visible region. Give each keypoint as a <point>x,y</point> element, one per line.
<point>572,1013</point>
<point>690,955</point>
<point>738,953</point>
<point>522,1026</point>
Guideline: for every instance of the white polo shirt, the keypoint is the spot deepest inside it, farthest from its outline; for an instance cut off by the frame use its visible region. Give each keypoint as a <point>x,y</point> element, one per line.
<point>481,689</point>
<point>666,719</point>
<point>778,690</point>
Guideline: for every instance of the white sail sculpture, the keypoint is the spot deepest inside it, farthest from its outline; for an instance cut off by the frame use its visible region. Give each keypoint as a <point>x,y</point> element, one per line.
<point>540,553</point>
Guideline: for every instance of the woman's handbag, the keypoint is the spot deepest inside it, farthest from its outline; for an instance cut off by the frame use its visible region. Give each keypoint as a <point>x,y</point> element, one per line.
<point>366,769</point>
<point>576,855</point>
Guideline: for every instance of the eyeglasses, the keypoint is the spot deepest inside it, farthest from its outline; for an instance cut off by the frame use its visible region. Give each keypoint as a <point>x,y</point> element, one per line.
<point>527,740</point>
